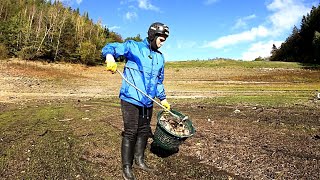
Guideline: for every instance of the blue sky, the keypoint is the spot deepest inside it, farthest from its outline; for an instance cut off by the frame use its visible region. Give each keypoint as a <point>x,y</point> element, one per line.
<point>203,29</point>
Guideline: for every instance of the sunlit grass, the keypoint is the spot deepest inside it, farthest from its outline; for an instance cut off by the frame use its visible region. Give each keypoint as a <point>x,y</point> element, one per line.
<point>269,99</point>
<point>233,63</point>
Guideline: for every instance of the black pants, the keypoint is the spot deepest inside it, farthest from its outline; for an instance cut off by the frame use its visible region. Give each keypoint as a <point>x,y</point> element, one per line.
<point>136,120</point>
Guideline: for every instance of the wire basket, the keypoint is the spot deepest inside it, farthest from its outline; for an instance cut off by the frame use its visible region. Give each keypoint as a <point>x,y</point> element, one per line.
<point>167,139</point>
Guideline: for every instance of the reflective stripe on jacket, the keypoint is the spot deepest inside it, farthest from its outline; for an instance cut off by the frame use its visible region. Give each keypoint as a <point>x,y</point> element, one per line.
<point>144,68</point>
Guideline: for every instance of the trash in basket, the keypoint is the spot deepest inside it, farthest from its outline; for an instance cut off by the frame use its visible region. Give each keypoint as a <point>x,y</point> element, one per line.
<point>169,134</point>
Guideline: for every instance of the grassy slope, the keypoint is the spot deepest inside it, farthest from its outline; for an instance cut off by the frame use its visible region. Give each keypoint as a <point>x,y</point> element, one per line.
<point>251,82</point>
<point>233,64</point>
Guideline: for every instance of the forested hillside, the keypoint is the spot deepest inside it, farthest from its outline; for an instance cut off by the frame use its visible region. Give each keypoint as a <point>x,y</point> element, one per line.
<point>303,45</point>
<point>39,29</point>
<point>42,30</point>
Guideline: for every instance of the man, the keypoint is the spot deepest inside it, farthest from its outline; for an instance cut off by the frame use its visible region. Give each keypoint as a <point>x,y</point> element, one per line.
<point>145,69</point>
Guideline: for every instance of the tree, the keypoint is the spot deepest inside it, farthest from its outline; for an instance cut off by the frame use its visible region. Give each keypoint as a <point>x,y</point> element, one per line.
<point>137,38</point>
<point>316,46</point>
<point>68,48</point>
<point>46,30</point>
<point>114,37</point>
<point>87,51</point>
<point>274,49</point>
<point>302,45</point>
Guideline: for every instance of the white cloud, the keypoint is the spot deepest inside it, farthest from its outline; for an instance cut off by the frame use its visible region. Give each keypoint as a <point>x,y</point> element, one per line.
<point>286,14</point>
<point>262,49</point>
<point>113,28</point>
<point>242,22</point>
<point>145,4</point>
<point>142,4</point>
<point>130,15</point>
<point>232,39</point>
<point>133,8</point>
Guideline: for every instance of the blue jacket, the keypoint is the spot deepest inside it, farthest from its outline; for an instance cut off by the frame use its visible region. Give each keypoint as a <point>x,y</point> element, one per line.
<point>144,68</point>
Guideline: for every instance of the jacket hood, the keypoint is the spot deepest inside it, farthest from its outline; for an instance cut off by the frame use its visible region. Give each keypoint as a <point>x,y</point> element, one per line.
<point>152,45</point>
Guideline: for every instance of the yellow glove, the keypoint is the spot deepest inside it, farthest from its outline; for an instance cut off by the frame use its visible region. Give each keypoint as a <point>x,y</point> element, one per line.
<point>165,104</point>
<point>111,63</point>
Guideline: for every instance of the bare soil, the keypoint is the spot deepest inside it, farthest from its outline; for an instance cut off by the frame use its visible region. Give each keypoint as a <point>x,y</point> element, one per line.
<point>232,141</point>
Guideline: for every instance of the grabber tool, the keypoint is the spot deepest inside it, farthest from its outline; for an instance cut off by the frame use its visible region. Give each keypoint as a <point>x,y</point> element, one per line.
<point>180,120</point>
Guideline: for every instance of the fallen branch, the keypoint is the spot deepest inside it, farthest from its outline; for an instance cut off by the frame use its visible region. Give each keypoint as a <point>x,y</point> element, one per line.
<point>63,120</point>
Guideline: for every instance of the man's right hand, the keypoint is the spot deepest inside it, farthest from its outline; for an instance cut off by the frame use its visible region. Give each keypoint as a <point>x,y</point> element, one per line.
<point>111,63</point>
<point>165,104</point>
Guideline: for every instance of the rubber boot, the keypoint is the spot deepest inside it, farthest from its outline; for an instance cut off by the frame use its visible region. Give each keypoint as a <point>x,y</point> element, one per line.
<point>139,153</point>
<point>127,154</point>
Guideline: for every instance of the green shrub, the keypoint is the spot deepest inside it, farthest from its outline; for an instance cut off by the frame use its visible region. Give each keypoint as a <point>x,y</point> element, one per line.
<point>259,59</point>
<point>87,52</point>
<point>28,53</point>
<point>4,53</point>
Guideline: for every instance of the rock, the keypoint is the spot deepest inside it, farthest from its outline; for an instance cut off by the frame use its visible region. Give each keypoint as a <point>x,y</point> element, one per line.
<point>237,111</point>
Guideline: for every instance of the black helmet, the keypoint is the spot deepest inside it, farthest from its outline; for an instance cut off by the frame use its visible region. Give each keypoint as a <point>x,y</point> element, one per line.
<point>157,29</point>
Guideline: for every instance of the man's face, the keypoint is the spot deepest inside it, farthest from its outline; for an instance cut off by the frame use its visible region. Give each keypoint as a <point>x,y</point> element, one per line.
<point>160,40</point>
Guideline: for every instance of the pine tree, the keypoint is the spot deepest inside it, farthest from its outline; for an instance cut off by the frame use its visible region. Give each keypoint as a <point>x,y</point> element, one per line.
<point>302,45</point>
<point>316,45</point>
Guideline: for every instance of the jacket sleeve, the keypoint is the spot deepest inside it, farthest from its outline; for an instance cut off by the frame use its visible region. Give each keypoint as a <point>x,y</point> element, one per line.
<point>161,94</point>
<point>115,49</point>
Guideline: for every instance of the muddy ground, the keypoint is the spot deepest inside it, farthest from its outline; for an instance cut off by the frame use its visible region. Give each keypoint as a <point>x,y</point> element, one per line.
<point>62,121</point>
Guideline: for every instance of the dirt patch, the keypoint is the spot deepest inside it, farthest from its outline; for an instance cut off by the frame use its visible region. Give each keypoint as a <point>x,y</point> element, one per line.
<point>269,143</point>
